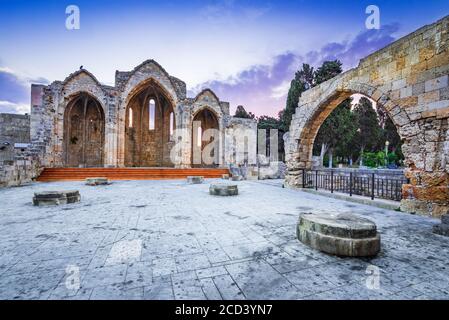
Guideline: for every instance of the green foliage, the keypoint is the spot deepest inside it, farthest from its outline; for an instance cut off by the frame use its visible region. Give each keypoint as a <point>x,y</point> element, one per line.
<point>306,78</point>
<point>338,129</point>
<point>327,71</point>
<point>374,159</point>
<point>295,91</point>
<point>369,132</point>
<point>267,122</point>
<point>240,112</point>
<point>378,159</point>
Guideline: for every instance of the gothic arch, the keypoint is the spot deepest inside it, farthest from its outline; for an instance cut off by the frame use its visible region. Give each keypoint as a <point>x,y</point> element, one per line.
<point>84,127</point>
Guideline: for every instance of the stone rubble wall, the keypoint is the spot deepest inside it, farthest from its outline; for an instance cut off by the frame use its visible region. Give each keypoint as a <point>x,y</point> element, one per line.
<point>17,166</point>
<point>14,128</point>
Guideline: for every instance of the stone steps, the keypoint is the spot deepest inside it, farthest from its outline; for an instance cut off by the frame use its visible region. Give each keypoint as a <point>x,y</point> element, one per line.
<point>80,174</point>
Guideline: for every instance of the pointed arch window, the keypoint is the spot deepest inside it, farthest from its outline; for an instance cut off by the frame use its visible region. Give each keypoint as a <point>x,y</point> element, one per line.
<point>199,136</point>
<point>151,114</point>
<point>172,123</point>
<point>130,118</point>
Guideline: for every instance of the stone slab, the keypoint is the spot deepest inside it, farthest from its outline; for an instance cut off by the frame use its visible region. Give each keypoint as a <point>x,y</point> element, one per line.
<point>223,189</point>
<point>46,198</point>
<point>96,181</point>
<point>195,179</point>
<point>340,234</point>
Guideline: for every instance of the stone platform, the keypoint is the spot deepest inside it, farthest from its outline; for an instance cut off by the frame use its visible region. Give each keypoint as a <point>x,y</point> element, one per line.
<point>46,198</point>
<point>170,240</point>
<point>340,234</point>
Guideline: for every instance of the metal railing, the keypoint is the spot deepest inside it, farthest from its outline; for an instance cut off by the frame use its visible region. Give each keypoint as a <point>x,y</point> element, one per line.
<point>368,184</point>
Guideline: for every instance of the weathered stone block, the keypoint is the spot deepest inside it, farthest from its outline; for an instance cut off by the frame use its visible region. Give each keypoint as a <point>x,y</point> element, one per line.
<point>436,84</point>
<point>97,181</point>
<point>236,178</point>
<point>339,234</point>
<point>445,218</point>
<point>225,176</point>
<point>441,229</point>
<point>195,179</point>
<point>56,197</point>
<point>223,189</point>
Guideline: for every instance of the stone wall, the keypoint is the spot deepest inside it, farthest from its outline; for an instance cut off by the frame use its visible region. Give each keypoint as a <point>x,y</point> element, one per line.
<point>409,78</point>
<point>49,118</point>
<point>18,165</point>
<point>14,128</point>
<point>240,142</point>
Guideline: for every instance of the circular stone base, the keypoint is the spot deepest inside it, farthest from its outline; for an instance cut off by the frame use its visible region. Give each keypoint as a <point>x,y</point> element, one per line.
<point>97,181</point>
<point>195,179</point>
<point>341,234</point>
<point>47,198</point>
<point>222,189</point>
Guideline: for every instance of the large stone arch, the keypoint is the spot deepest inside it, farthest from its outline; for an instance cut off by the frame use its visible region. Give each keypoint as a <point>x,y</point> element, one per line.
<point>145,146</point>
<point>84,132</point>
<point>208,120</point>
<point>409,78</point>
<point>207,103</point>
<point>311,116</point>
<point>78,83</point>
<point>148,73</point>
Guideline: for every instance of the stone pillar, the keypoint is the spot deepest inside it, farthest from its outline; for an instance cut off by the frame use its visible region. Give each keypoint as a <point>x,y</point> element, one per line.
<point>183,143</point>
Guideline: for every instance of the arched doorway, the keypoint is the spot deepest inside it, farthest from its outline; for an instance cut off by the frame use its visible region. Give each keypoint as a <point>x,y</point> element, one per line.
<point>358,132</point>
<point>205,139</point>
<point>149,126</point>
<point>84,132</point>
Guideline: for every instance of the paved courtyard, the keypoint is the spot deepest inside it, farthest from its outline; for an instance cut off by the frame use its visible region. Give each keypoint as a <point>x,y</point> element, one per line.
<point>170,240</point>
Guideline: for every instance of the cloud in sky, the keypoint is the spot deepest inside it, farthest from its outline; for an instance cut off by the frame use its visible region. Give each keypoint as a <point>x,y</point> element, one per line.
<point>262,89</point>
<point>15,91</point>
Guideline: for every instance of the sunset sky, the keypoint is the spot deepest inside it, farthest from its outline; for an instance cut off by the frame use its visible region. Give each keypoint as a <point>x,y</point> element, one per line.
<point>246,51</point>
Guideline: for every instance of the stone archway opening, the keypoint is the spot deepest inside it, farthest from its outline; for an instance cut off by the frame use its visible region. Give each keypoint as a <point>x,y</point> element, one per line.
<point>149,127</point>
<point>84,124</point>
<point>358,133</point>
<point>205,139</point>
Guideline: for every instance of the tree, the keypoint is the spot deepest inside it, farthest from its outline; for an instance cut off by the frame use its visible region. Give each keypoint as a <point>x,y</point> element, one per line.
<point>269,123</point>
<point>327,71</point>
<point>391,135</point>
<point>336,131</point>
<point>369,131</point>
<point>240,112</point>
<point>303,80</point>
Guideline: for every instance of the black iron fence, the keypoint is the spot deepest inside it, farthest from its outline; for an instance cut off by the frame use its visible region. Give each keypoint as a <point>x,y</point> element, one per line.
<point>385,185</point>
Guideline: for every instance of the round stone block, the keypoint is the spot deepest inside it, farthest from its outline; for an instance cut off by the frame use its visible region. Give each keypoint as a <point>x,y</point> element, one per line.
<point>340,234</point>
<point>195,179</point>
<point>46,198</point>
<point>97,181</point>
<point>223,189</point>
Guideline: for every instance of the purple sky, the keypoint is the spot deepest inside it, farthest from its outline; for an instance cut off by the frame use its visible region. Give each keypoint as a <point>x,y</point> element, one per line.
<point>247,51</point>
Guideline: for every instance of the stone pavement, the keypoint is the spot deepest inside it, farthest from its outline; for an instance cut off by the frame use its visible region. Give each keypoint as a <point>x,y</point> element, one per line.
<point>171,240</point>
